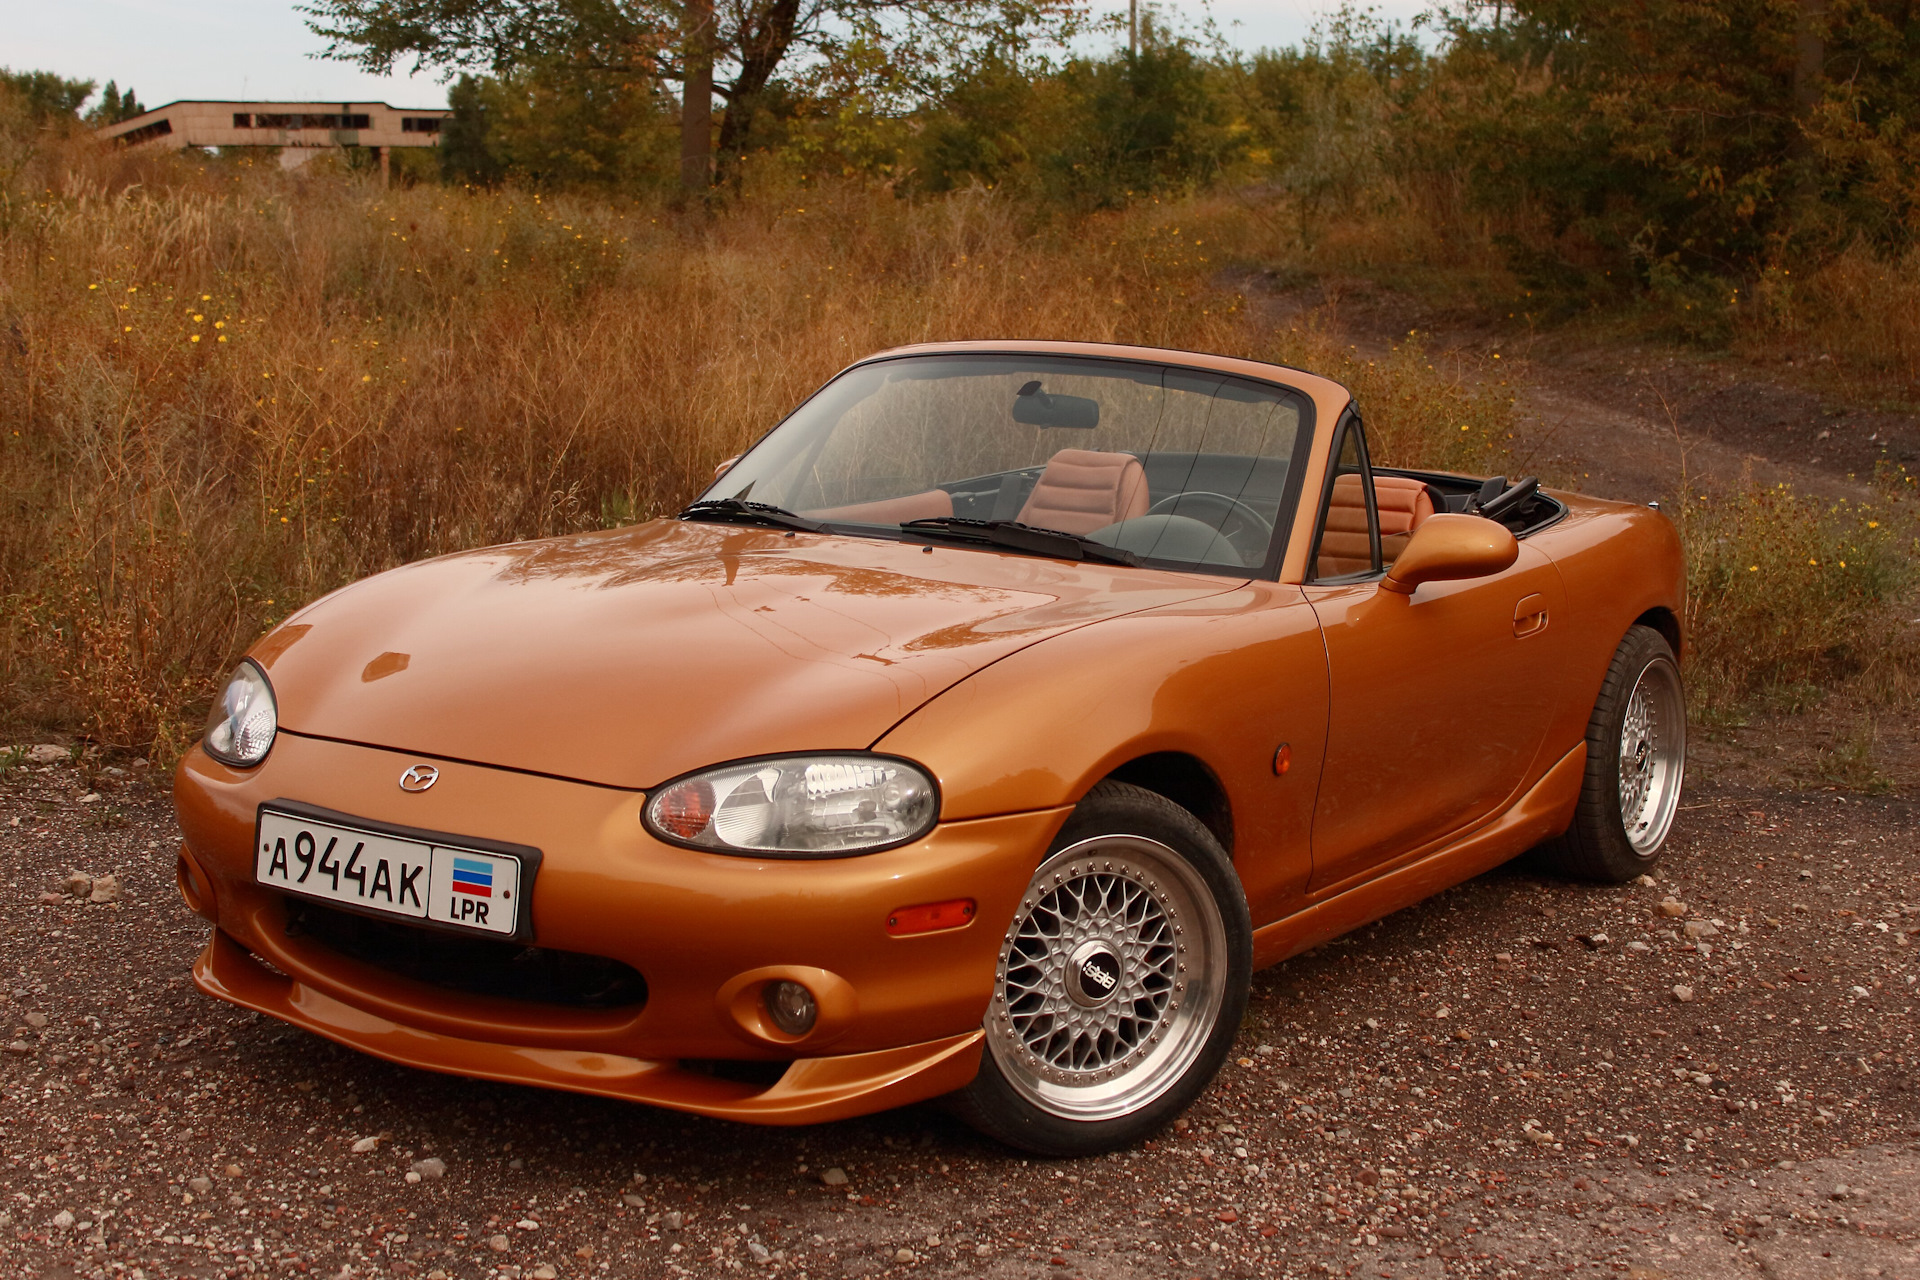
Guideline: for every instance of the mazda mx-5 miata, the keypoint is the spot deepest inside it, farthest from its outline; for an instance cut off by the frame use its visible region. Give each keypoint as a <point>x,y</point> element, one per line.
<point>976,735</point>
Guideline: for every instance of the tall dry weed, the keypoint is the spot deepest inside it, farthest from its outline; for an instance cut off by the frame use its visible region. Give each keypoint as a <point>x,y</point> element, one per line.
<point>227,390</point>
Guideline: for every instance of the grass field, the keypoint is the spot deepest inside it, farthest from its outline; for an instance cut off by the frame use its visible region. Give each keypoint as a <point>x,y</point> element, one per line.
<point>227,391</point>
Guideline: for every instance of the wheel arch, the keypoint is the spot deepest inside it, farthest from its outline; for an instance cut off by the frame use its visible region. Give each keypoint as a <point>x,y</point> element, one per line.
<point>1187,781</point>
<point>1662,619</point>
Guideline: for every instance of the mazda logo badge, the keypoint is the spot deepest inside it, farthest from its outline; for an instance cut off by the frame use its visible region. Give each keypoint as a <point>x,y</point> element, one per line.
<point>419,777</point>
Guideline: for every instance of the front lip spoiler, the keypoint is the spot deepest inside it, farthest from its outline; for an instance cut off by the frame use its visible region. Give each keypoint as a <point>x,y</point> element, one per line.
<point>812,1091</point>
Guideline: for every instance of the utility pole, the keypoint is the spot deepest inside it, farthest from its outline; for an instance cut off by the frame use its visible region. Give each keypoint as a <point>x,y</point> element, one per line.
<point>1133,27</point>
<point>696,103</point>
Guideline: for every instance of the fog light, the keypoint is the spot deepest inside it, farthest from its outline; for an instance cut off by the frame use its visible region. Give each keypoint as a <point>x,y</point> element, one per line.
<point>791,1007</point>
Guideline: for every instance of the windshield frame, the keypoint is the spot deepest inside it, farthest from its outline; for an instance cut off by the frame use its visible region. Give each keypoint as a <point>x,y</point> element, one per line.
<point>1284,519</point>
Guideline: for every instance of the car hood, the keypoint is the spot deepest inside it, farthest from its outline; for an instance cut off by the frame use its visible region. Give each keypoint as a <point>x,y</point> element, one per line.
<point>632,656</point>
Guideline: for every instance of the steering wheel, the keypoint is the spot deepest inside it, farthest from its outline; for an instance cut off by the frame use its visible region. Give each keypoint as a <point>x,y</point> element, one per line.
<point>1244,529</point>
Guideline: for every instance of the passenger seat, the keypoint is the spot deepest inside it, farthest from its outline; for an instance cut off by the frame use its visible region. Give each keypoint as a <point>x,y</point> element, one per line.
<point>1404,506</point>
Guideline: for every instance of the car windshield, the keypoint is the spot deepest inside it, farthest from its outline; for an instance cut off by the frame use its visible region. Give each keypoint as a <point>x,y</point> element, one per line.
<point>1171,465</point>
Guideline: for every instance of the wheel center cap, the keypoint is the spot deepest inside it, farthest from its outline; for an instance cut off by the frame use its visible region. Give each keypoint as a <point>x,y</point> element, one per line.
<point>1093,973</point>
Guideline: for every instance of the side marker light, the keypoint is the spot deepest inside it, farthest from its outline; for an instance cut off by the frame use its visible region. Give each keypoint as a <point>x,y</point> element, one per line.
<point>1283,759</point>
<point>931,917</point>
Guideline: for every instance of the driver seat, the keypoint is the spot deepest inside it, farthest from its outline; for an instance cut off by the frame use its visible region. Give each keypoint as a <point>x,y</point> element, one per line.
<point>1083,489</point>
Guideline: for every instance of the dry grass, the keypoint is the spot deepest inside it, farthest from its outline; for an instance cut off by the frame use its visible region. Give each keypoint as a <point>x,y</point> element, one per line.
<point>1789,597</point>
<point>227,390</point>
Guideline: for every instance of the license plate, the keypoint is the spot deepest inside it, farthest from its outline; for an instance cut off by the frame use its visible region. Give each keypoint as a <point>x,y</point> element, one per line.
<point>389,874</point>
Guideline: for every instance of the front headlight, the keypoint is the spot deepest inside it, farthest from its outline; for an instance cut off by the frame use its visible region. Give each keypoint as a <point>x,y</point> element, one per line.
<point>240,730</point>
<point>801,806</point>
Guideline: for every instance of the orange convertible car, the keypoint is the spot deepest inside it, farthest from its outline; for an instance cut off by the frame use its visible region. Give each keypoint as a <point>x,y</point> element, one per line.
<point>977,735</point>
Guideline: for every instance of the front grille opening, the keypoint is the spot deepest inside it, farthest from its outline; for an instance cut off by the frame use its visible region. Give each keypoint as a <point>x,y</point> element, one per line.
<point>478,966</point>
<point>737,1070</point>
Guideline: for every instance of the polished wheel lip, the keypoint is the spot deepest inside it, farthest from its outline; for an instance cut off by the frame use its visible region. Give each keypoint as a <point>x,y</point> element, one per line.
<point>1112,1058</point>
<point>1652,756</point>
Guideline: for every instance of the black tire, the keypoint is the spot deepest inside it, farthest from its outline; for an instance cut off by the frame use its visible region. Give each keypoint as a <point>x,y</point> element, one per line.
<point>1140,897</point>
<point>1625,813</point>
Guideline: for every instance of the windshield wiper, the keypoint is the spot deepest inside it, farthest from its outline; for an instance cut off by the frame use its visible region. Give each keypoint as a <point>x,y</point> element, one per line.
<point>1015,536</point>
<point>740,511</point>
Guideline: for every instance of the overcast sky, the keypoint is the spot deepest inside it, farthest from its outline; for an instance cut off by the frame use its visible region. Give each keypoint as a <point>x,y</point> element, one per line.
<point>171,49</point>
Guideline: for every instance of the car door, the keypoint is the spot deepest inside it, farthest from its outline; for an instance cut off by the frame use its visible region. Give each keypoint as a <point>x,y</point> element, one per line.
<point>1439,701</point>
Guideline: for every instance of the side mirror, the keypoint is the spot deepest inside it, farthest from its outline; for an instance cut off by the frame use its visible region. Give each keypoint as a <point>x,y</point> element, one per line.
<point>1448,547</point>
<point>726,466</point>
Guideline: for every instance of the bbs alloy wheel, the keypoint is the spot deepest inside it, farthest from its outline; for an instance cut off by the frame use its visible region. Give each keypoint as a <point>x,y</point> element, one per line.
<point>1120,983</point>
<point>1636,764</point>
<point>1653,756</point>
<point>1110,979</point>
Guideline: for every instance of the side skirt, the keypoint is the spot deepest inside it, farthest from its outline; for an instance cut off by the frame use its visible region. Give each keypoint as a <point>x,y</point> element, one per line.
<point>1543,812</point>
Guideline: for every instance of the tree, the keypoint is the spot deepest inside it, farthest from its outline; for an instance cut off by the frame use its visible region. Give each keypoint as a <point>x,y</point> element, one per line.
<point>902,47</point>
<point>47,97</point>
<point>114,106</point>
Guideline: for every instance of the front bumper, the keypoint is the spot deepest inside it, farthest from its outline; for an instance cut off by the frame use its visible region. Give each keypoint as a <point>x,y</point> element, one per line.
<point>811,1091</point>
<point>908,1009</point>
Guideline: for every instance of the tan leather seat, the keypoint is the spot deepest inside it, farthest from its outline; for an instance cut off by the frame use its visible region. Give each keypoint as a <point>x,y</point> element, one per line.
<point>1083,489</point>
<point>915,506</point>
<point>1403,505</point>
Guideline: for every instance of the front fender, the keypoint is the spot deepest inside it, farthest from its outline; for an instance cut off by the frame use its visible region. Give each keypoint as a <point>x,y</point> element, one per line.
<point>1226,680</point>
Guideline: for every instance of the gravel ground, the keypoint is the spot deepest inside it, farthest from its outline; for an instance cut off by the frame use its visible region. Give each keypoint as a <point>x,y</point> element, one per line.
<point>1520,1076</point>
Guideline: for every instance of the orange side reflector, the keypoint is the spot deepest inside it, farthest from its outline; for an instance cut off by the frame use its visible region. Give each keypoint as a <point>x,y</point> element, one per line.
<point>931,917</point>
<point>1283,759</point>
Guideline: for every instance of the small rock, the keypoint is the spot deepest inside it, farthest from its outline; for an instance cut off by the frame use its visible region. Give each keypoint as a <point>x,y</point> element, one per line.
<point>1683,994</point>
<point>527,1224</point>
<point>1671,907</point>
<point>63,1220</point>
<point>19,1047</point>
<point>52,899</point>
<point>365,1145</point>
<point>36,1019</point>
<point>78,884</point>
<point>1698,929</point>
<point>105,889</point>
<point>412,1177</point>
<point>903,1255</point>
<point>1840,1192</point>
<point>48,753</point>
<point>674,1221</point>
<point>759,1251</point>
<point>92,797</point>
<point>633,1201</point>
<point>232,1171</point>
<point>432,1168</point>
<point>1637,945</point>
<point>544,1272</point>
<point>499,1244</point>
<point>1227,1215</point>
<point>200,1185</point>
<point>835,1177</point>
<point>1646,882</point>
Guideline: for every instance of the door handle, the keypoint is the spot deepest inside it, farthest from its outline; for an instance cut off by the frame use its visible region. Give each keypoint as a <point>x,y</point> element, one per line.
<point>1530,616</point>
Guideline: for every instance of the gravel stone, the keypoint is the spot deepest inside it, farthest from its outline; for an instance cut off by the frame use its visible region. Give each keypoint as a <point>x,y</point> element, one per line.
<point>48,753</point>
<point>105,889</point>
<point>835,1177</point>
<point>1671,907</point>
<point>63,1220</point>
<point>432,1168</point>
<point>1683,994</point>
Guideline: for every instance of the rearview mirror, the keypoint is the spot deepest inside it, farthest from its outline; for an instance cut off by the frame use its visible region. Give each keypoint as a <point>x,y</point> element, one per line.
<point>1449,547</point>
<point>1033,407</point>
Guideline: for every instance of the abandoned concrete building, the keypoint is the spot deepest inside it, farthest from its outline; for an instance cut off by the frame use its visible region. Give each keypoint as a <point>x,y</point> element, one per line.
<point>301,130</point>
